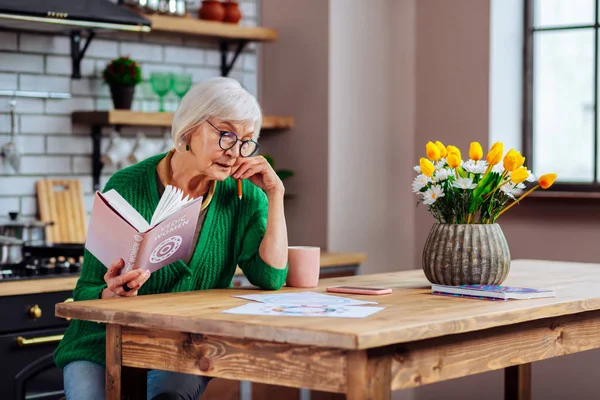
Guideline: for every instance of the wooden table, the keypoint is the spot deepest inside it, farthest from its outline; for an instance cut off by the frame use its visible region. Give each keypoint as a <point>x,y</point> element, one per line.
<point>417,339</point>
<point>332,265</point>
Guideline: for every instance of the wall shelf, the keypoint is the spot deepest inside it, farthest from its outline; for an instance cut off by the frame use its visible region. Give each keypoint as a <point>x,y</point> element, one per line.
<point>209,29</point>
<point>159,119</point>
<point>118,118</point>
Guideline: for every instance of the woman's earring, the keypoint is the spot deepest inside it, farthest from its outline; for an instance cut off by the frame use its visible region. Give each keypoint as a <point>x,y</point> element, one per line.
<point>187,147</point>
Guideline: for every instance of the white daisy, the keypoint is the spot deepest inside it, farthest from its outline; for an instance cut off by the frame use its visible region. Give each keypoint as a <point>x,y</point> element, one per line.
<point>417,168</point>
<point>440,164</point>
<point>432,194</point>
<point>531,177</point>
<point>475,167</point>
<point>499,168</point>
<point>464,183</point>
<point>509,189</point>
<point>420,182</point>
<point>441,175</point>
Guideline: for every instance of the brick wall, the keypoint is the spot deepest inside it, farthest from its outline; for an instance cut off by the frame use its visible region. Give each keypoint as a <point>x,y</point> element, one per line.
<point>54,148</point>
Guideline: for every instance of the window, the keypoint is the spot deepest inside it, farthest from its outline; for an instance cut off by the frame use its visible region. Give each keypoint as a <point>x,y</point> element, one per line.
<point>561,91</point>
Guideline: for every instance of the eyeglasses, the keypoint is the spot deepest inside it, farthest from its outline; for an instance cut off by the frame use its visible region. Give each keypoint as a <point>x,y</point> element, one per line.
<point>229,139</point>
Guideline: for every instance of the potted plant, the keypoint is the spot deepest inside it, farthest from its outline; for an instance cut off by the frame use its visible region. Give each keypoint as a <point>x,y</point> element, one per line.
<point>283,174</point>
<point>466,245</point>
<point>122,75</point>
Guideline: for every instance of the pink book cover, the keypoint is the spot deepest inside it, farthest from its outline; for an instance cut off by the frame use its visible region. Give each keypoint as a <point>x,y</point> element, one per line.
<point>110,236</point>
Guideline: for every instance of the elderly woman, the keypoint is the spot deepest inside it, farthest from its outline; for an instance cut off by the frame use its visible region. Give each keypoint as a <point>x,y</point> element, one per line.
<point>214,131</point>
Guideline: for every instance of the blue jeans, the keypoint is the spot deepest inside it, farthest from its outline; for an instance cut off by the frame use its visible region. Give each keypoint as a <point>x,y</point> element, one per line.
<point>85,380</point>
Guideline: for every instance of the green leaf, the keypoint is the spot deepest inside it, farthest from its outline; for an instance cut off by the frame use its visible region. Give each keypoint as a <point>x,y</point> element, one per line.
<point>285,173</point>
<point>270,160</point>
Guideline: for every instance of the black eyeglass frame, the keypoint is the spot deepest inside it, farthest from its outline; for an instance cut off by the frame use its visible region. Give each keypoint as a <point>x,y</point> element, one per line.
<point>237,139</point>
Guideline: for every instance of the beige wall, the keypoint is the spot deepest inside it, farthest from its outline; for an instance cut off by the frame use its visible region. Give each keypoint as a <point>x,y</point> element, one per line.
<point>294,81</point>
<point>371,125</point>
<point>452,106</point>
<point>402,72</point>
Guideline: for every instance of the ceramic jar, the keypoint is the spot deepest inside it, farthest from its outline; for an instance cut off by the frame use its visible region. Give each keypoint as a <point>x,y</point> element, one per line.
<point>212,10</point>
<point>232,12</point>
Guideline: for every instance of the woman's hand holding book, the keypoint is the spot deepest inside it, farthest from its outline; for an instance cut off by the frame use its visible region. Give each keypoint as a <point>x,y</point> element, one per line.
<point>116,283</point>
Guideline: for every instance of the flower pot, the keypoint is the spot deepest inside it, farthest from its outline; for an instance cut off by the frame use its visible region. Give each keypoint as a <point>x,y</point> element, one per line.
<point>212,10</point>
<point>232,12</point>
<point>469,254</point>
<point>122,96</point>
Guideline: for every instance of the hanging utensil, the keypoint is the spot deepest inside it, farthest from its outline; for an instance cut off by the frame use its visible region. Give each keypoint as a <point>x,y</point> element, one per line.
<point>10,151</point>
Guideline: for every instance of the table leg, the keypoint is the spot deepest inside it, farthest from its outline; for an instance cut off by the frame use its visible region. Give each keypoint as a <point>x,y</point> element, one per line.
<point>517,382</point>
<point>369,375</point>
<point>113,362</point>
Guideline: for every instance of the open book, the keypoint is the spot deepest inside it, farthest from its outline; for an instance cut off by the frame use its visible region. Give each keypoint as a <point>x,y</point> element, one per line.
<point>117,230</point>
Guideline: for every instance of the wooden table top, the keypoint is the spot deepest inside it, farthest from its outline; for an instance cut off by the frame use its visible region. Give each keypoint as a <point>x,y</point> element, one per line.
<point>411,312</point>
<point>34,286</point>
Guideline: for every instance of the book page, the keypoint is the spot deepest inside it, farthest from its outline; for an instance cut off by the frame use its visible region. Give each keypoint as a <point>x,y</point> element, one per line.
<point>304,310</point>
<point>304,298</point>
<point>125,210</point>
<point>170,202</point>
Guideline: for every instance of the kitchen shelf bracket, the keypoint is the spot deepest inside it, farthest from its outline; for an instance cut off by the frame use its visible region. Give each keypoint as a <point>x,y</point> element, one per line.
<point>225,65</point>
<point>77,52</point>
<point>96,151</point>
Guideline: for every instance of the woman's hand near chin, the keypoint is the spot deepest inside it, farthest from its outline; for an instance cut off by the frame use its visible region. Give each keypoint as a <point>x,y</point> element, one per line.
<point>258,171</point>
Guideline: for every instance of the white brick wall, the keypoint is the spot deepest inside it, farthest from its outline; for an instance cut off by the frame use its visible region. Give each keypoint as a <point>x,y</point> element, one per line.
<point>54,148</point>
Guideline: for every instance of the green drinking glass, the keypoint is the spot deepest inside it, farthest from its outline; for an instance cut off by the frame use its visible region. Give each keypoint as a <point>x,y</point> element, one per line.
<point>161,84</point>
<point>180,84</point>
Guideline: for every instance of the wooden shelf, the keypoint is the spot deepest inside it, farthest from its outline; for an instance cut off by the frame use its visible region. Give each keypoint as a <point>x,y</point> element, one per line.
<point>160,119</point>
<point>213,29</point>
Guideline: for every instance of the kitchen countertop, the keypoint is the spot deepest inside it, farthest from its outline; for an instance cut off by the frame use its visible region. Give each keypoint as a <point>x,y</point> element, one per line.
<point>33,286</point>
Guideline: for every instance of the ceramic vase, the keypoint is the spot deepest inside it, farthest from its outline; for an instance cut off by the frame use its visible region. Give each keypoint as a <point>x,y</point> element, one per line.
<point>466,254</point>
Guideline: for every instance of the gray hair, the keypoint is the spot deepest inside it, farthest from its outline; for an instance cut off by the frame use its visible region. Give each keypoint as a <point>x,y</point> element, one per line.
<point>222,98</point>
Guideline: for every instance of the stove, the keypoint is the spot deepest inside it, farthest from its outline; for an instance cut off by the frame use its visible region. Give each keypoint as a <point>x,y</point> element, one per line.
<point>45,261</point>
<point>41,267</point>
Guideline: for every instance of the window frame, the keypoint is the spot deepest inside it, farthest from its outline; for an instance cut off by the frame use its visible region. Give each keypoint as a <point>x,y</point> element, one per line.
<point>528,77</point>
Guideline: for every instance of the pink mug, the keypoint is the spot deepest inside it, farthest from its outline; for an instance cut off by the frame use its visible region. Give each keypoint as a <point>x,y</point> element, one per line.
<point>304,266</point>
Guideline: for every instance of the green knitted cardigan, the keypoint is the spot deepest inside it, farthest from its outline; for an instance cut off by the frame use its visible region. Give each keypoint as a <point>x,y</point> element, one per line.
<point>231,235</point>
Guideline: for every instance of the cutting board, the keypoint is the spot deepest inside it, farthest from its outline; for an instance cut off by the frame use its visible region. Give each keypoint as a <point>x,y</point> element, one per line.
<point>61,201</point>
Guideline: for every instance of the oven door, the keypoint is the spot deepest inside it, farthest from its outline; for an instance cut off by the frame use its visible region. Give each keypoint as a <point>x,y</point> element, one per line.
<point>27,365</point>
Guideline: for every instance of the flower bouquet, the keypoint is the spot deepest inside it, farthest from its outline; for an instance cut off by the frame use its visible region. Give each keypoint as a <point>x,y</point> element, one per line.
<point>467,246</point>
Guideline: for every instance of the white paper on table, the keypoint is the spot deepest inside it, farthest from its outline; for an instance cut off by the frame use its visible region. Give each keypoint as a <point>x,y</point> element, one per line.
<point>304,298</point>
<point>304,310</point>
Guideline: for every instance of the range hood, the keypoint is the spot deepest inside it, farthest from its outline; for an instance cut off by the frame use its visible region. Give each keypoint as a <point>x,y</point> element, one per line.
<point>57,15</point>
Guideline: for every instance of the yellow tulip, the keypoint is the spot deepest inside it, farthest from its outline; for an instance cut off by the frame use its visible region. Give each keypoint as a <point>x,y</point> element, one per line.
<point>427,167</point>
<point>520,160</point>
<point>442,148</point>
<point>452,149</point>
<point>519,175</point>
<point>475,151</point>
<point>453,160</point>
<point>511,160</point>
<point>433,153</point>
<point>546,180</point>
<point>495,154</point>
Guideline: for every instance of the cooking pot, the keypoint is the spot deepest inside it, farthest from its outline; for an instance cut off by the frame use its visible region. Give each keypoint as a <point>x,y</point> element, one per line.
<point>11,250</point>
<point>24,230</point>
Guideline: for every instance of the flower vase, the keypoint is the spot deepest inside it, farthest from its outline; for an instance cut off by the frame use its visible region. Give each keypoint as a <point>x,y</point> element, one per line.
<point>466,254</point>
<point>122,96</point>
